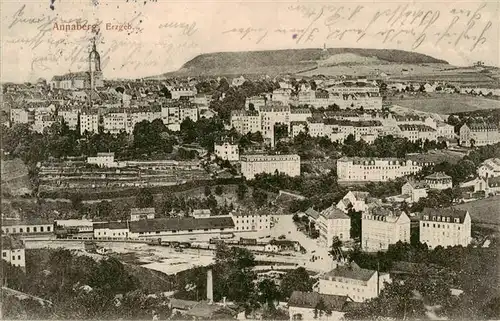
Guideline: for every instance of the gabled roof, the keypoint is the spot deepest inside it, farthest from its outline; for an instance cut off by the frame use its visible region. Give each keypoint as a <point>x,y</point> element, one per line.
<point>438,175</point>
<point>312,213</point>
<point>417,184</point>
<point>360,196</point>
<point>349,271</point>
<point>333,213</point>
<point>311,299</point>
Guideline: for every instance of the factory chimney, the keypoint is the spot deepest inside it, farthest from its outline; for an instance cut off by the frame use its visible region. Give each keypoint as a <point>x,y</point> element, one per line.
<point>210,287</point>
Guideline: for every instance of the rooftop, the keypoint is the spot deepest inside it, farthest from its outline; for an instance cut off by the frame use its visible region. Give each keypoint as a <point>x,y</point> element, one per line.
<point>181,224</point>
<point>438,175</point>
<point>435,213</point>
<point>312,213</point>
<point>350,271</point>
<point>311,299</point>
<point>142,211</point>
<point>333,213</point>
<point>11,243</point>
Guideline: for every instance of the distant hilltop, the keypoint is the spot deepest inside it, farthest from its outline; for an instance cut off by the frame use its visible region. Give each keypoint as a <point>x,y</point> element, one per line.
<point>295,61</point>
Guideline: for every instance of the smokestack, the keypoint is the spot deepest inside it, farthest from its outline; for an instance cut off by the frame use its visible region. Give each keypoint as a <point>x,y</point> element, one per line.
<point>210,290</point>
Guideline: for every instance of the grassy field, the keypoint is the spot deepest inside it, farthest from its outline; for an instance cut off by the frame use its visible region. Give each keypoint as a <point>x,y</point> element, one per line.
<point>445,103</point>
<point>15,179</point>
<point>484,211</point>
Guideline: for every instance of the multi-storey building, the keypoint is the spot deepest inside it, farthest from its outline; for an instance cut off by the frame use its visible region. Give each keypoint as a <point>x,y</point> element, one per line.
<point>251,221</point>
<point>272,115</point>
<point>489,168</point>
<point>43,121</point>
<point>332,223</point>
<point>138,115</point>
<point>300,114</point>
<point>375,169</point>
<point>256,101</point>
<point>21,116</point>
<point>338,130</point>
<point>257,164</point>
<point>445,227</point>
<point>181,91</point>
<point>316,127</point>
<point>102,160</point>
<point>415,132</point>
<point>227,151</point>
<point>303,306</point>
<point>382,226</point>
<point>438,181</point>
<point>13,251</point>
<point>89,122</point>
<point>479,134</point>
<point>116,122</point>
<point>70,117</point>
<point>245,121</point>
<point>351,280</point>
<point>445,130</point>
<point>297,127</point>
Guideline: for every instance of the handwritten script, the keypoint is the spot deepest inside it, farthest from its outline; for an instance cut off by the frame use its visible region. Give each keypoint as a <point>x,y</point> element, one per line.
<point>407,25</point>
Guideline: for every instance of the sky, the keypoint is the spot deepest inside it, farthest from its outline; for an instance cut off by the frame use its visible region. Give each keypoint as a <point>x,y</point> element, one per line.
<point>144,38</point>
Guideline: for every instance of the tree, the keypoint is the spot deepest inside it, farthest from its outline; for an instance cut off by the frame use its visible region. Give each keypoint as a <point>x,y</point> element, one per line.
<point>295,280</point>
<point>76,200</point>
<point>219,190</point>
<point>320,308</point>
<point>336,249</point>
<point>242,191</point>
<point>259,197</point>
<point>144,198</point>
<point>268,293</point>
<point>207,191</point>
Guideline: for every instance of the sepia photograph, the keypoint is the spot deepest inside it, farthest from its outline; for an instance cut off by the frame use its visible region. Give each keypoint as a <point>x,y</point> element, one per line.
<point>250,160</point>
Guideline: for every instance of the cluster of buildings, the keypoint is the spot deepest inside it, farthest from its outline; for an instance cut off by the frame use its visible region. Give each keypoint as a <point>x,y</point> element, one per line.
<point>487,180</point>
<point>479,133</point>
<point>364,125</point>
<point>366,169</point>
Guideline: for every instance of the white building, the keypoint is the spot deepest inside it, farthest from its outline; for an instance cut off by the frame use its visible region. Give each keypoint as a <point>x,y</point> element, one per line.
<point>182,91</point>
<point>414,190</point>
<point>89,121</point>
<point>358,284</point>
<point>111,230</point>
<point>80,225</point>
<point>70,117</point>
<point>479,134</point>
<point>114,123</point>
<point>356,200</point>
<point>102,160</point>
<point>445,227</point>
<point>257,102</point>
<point>257,164</point>
<point>21,116</point>
<point>251,221</point>
<point>245,121</point>
<point>439,181</point>
<point>227,151</point>
<point>382,227</point>
<point>13,251</point>
<point>137,214</point>
<point>302,306</point>
<point>300,114</point>
<point>489,168</point>
<point>415,132</point>
<point>375,169</point>
<point>332,223</point>
<point>271,116</point>
<point>27,228</point>
<point>445,130</point>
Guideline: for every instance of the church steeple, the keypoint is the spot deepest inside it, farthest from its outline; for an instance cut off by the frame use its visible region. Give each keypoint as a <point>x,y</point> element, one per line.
<point>94,58</point>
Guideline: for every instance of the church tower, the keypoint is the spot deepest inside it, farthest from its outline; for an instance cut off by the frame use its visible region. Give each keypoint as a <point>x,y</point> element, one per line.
<point>95,68</point>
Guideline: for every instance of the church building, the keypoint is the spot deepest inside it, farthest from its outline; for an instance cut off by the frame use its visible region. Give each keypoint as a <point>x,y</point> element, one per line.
<point>90,79</point>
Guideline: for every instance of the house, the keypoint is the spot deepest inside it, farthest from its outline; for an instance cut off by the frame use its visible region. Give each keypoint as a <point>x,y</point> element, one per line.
<point>493,185</point>
<point>207,311</point>
<point>382,226</point>
<point>333,223</point>
<point>252,165</point>
<point>103,160</point>
<point>303,306</point>
<point>489,168</point>
<point>367,169</point>
<point>438,181</point>
<point>415,190</point>
<point>137,214</point>
<point>80,225</point>
<point>282,245</point>
<point>13,251</point>
<point>251,221</point>
<point>478,184</point>
<point>445,227</point>
<point>111,230</point>
<point>355,200</point>
<point>201,213</point>
<point>227,151</point>
<point>350,280</point>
